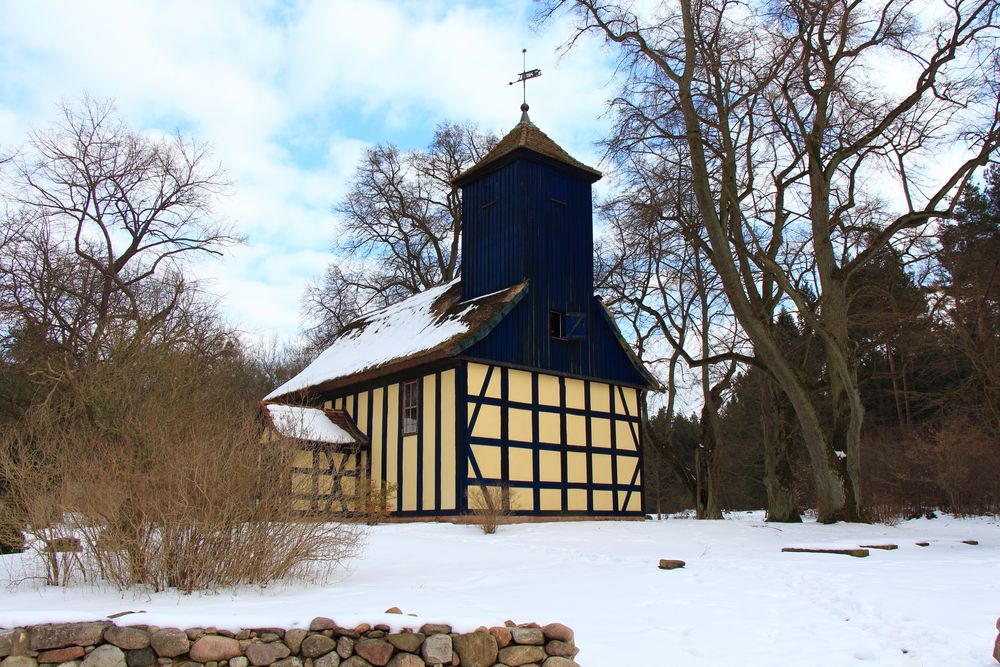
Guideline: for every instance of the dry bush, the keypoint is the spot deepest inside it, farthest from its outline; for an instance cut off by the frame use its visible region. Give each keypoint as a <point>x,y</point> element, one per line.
<point>490,507</point>
<point>962,459</point>
<point>376,500</point>
<point>158,468</point>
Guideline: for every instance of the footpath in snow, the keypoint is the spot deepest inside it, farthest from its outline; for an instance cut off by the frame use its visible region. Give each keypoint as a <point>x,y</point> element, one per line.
<point>739,600</point>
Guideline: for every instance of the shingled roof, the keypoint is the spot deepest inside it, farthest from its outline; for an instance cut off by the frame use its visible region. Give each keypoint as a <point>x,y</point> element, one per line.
<point>525,135</point>
<point>427,327</point>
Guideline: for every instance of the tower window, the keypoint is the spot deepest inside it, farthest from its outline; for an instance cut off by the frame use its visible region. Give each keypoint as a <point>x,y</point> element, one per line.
<point>411,406</point>
<point>557,324</point>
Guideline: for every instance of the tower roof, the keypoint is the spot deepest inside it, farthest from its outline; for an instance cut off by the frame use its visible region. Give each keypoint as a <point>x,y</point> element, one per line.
<point>525,135</point>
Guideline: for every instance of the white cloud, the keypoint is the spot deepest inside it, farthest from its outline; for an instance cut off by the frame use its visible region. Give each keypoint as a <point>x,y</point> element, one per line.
<point>289,95</point>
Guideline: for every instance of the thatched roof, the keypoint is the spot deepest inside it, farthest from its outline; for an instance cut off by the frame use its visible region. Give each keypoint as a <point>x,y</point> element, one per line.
<point>427,327</point>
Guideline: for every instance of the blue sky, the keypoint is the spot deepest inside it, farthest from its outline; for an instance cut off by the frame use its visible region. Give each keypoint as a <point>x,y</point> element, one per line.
<point>288,94</point>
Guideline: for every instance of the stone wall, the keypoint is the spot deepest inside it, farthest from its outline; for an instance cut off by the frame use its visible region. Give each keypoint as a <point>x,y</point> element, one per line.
<point>324,644</point>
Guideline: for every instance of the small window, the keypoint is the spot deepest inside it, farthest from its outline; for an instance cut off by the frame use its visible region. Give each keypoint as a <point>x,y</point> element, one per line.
<point>411,406</point>
<point>557,324</point>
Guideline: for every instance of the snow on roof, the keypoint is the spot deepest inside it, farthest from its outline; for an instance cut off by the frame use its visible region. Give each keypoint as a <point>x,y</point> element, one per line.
<point>425,327</point>
<point>305,423</point>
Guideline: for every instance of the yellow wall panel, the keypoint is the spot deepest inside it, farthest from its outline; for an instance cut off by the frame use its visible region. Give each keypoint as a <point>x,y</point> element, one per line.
<point>521,500</point>
<point>376,436</point>
<point>476,377</point>
<point>626,468</point>
<point>448,440</point>
<point>392,437</point>
<point>487,422</point>
<point>575,394</point>
<point>519,425</point>
<point>362,416</point>
<point>488,458</point>
<point>624,438</point>
<point>520,465</point>
<point>621,500</point>
<point>600,432</point>
<point>576,467</point>
<point>303,459</point>
<point>630,402</point>
<point>602,469</point>
<point>603,501</point>
<point>599,397</point>
<point>429,410</point>
<point>550,499</point>
<point>577,499</point>
<point>409,473</point>
<point>548,389</point>
<point>576,430</point>
<point>301,483</point>
<point>550,466</point>
<point>519,386</point>
<point>634,503</point>
<point>549,428</point>
<point>327,405</point>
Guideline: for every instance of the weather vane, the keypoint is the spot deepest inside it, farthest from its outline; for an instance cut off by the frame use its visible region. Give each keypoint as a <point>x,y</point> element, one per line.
<point>523,77</point>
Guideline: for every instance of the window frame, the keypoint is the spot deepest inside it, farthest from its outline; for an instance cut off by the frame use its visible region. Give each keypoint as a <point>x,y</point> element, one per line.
<point>561,334</point>
<point>411,407</point>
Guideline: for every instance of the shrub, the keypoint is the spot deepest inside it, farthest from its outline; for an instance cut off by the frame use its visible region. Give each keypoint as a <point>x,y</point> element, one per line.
<point>158,468</point>
<point>490,506</point>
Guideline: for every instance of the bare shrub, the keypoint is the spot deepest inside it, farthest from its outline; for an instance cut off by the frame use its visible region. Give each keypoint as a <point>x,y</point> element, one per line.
<point>376,500</point>
<point>157,466</point>
<point>490,507</point>
<point>962,458</point>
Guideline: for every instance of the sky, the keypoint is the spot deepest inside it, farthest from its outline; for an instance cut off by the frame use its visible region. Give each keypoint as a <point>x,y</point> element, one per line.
<point>288,94</point>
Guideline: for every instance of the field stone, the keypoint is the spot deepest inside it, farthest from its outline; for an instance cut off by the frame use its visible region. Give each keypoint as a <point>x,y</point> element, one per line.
<point>264,654</point>
<point>314,646</point>
<point>437,649</point>
<point>528,636</point>
<point>345,647</point>
<point>214,647</point>
<point>561,649</point>
<point>58,655</point>
<point>557,661</point>
<point>406,641</point>
<point>406,660</point>
<point>105,655</point>
<point>558,631</point>
<point>6,643</point>
<point>435,629</point>
<point>130,639</point>
<point>58,635</point>
<point>71,663</point>
<point>376,651</point>
<point>996,647</point>
<point>502,635</point>
<point>321,623</point>
<point>18,661</point>
<point>476,649</point>
<point>294,637</point>
<point>169,642</point>
<point>288,662</point>
<point>515,656</point>
<point>239,661</point>
<point>331,659</point>
<point>355,661</point>
<point>140,657</point>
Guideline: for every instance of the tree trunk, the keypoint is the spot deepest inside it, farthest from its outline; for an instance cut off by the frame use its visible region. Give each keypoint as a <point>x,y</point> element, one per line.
<point>779,477</point>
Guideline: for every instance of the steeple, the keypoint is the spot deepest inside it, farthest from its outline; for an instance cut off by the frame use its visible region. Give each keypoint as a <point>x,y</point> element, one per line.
<point>527,137</point>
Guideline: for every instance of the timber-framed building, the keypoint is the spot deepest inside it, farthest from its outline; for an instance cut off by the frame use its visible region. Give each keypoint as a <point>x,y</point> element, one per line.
<point>514,376</point>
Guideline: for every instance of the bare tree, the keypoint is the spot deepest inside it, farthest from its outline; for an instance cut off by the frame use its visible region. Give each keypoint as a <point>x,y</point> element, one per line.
<point>778,112</point>
<point>106,220</point>
<point>402,221</point>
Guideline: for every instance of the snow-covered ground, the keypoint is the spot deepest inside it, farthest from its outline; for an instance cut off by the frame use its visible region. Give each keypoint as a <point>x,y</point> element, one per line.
<point>739,601</point>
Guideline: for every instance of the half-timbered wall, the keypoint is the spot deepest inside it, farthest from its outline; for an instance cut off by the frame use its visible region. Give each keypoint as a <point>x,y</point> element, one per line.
<point>559,445</point>
<point>420,466</point>
<point>324,479</point>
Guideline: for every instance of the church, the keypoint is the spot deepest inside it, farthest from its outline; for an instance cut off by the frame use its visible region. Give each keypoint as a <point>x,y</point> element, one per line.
<point>514,376</point>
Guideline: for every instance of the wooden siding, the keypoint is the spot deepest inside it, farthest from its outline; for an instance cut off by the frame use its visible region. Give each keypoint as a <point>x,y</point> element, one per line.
<point>557,445</point>
<point>533,220</point>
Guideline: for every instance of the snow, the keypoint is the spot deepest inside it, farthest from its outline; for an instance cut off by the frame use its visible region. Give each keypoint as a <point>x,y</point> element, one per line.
<point>307,424</point>
<point>739,600</point>
<point>396,332</point>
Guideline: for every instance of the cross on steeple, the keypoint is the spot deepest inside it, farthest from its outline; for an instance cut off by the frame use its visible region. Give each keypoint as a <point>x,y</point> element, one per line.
<point>522,79</point>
